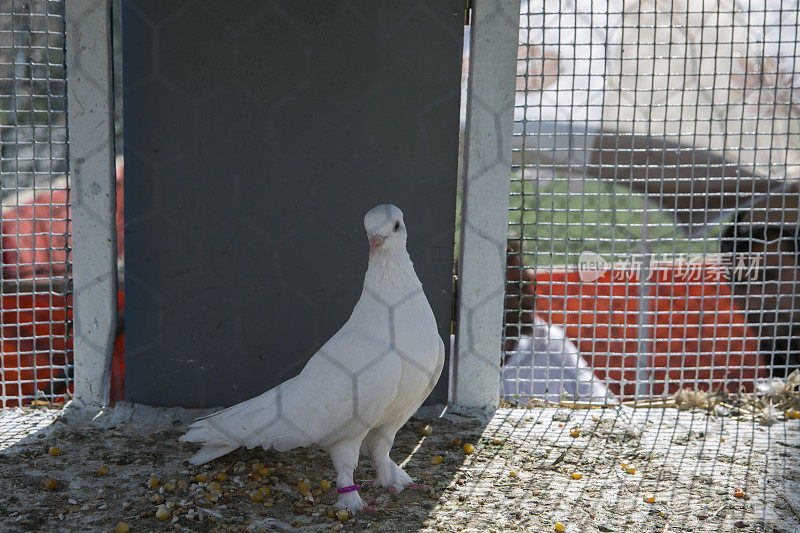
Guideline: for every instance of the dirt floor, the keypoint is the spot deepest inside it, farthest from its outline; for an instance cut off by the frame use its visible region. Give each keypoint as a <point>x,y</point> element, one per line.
<point>530,469</point>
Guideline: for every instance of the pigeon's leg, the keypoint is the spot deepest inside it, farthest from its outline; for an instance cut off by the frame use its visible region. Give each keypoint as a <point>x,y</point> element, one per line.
<point>345,459</point>
<point>378,442</point>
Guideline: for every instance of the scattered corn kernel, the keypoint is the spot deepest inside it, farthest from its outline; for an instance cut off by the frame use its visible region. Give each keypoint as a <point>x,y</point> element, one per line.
<point>152,482</point>
<point>577,475</point>
<point>169,486</point>
<point>649,497</point>
<point>256,466</point>
<point>162,513</point>
<point>342,515</point>
<point>257,495</point>
<point>427,431</point>
<point>513,474</point>
<point>436,459</point>
<point>122,527</point>
<point>456,441</point>
<point>263,471</point>
<point>201,478</point>
<point>55,450</point>
<point>182,484</point>
<point>221,477</point>
<point>213,486</point>
<point>575,432</point>
<point>630,469</point>
<point>324,484</point>
<point>304,488</point>
<point>739,493</point>
<point>561,424</point>
<point>496,441</point>
<point>50,484</point>
<point>792,413</point>
<point>103,470</point>
<point>469,448</point>
<point>560,526</point>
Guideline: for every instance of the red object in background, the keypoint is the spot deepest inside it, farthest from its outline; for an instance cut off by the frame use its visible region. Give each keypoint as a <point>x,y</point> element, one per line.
<point>118,362</point>
<point>698,335</point>
<point>34,343</point>
<point>33,244</point>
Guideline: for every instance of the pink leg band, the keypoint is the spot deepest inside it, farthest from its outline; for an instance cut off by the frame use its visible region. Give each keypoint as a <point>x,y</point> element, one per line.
<point>351,488</point>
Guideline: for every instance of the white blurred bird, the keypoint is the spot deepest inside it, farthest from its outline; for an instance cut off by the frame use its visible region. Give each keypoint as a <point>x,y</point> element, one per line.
<point>359,389</point>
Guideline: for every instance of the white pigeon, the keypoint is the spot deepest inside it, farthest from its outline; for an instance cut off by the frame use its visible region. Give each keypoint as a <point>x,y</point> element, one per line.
<point>547,364</point>
<point>359,389</point>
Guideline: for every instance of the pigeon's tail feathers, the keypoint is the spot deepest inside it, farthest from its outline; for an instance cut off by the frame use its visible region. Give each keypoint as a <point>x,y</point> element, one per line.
<point>206,434</point>
<point>210,452</point>
<point>260,421</point>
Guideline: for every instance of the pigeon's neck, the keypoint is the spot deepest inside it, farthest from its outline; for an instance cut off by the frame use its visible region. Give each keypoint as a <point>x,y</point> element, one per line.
<point>391,270</point>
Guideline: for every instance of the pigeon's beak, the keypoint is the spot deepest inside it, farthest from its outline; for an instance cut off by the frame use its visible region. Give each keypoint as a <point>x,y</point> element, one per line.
<point>375,242</point>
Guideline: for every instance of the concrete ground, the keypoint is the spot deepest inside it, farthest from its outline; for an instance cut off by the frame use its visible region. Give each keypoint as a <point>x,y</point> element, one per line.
<point>530,469</point>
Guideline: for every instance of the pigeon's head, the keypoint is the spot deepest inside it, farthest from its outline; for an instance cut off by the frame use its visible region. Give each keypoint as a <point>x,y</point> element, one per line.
<point>385,229</point>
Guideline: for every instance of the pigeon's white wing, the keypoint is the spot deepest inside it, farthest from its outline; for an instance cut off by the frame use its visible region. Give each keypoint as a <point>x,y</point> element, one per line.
<point>343,390</point>
<point>437,371</point>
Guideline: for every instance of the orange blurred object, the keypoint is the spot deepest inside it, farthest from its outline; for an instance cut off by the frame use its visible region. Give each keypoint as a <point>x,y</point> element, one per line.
<point>35,344</point>
<point>698,336</point>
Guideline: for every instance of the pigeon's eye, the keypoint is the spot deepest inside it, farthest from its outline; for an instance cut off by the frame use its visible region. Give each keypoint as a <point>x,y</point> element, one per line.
<point>397,226</point>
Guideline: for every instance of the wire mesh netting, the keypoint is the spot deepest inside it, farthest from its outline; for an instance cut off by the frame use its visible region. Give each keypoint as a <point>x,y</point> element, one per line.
<point>653,253</point>
<point>653,228</point>
<point>35,304</point>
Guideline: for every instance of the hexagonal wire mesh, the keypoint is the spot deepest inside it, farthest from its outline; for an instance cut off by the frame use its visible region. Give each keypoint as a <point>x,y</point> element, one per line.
<point>653,213</point>
<point>35,314</point>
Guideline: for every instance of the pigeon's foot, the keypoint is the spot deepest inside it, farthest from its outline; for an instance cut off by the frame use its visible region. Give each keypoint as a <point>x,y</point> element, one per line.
<point>392,477</point>
<point>351,502</point>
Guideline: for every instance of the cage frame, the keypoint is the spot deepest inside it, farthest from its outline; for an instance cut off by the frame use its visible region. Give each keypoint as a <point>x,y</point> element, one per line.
<point>488,152</point>
<point>484,203</point>
<point>92,185</point>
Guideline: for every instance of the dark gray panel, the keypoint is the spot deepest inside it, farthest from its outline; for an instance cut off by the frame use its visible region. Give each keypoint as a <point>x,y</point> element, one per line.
<point>256,138</point>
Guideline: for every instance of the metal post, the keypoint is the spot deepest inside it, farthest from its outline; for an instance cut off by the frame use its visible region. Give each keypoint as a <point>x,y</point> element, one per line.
<point>90,107</point>
<point>644,359</point>
<point>484,208</point>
